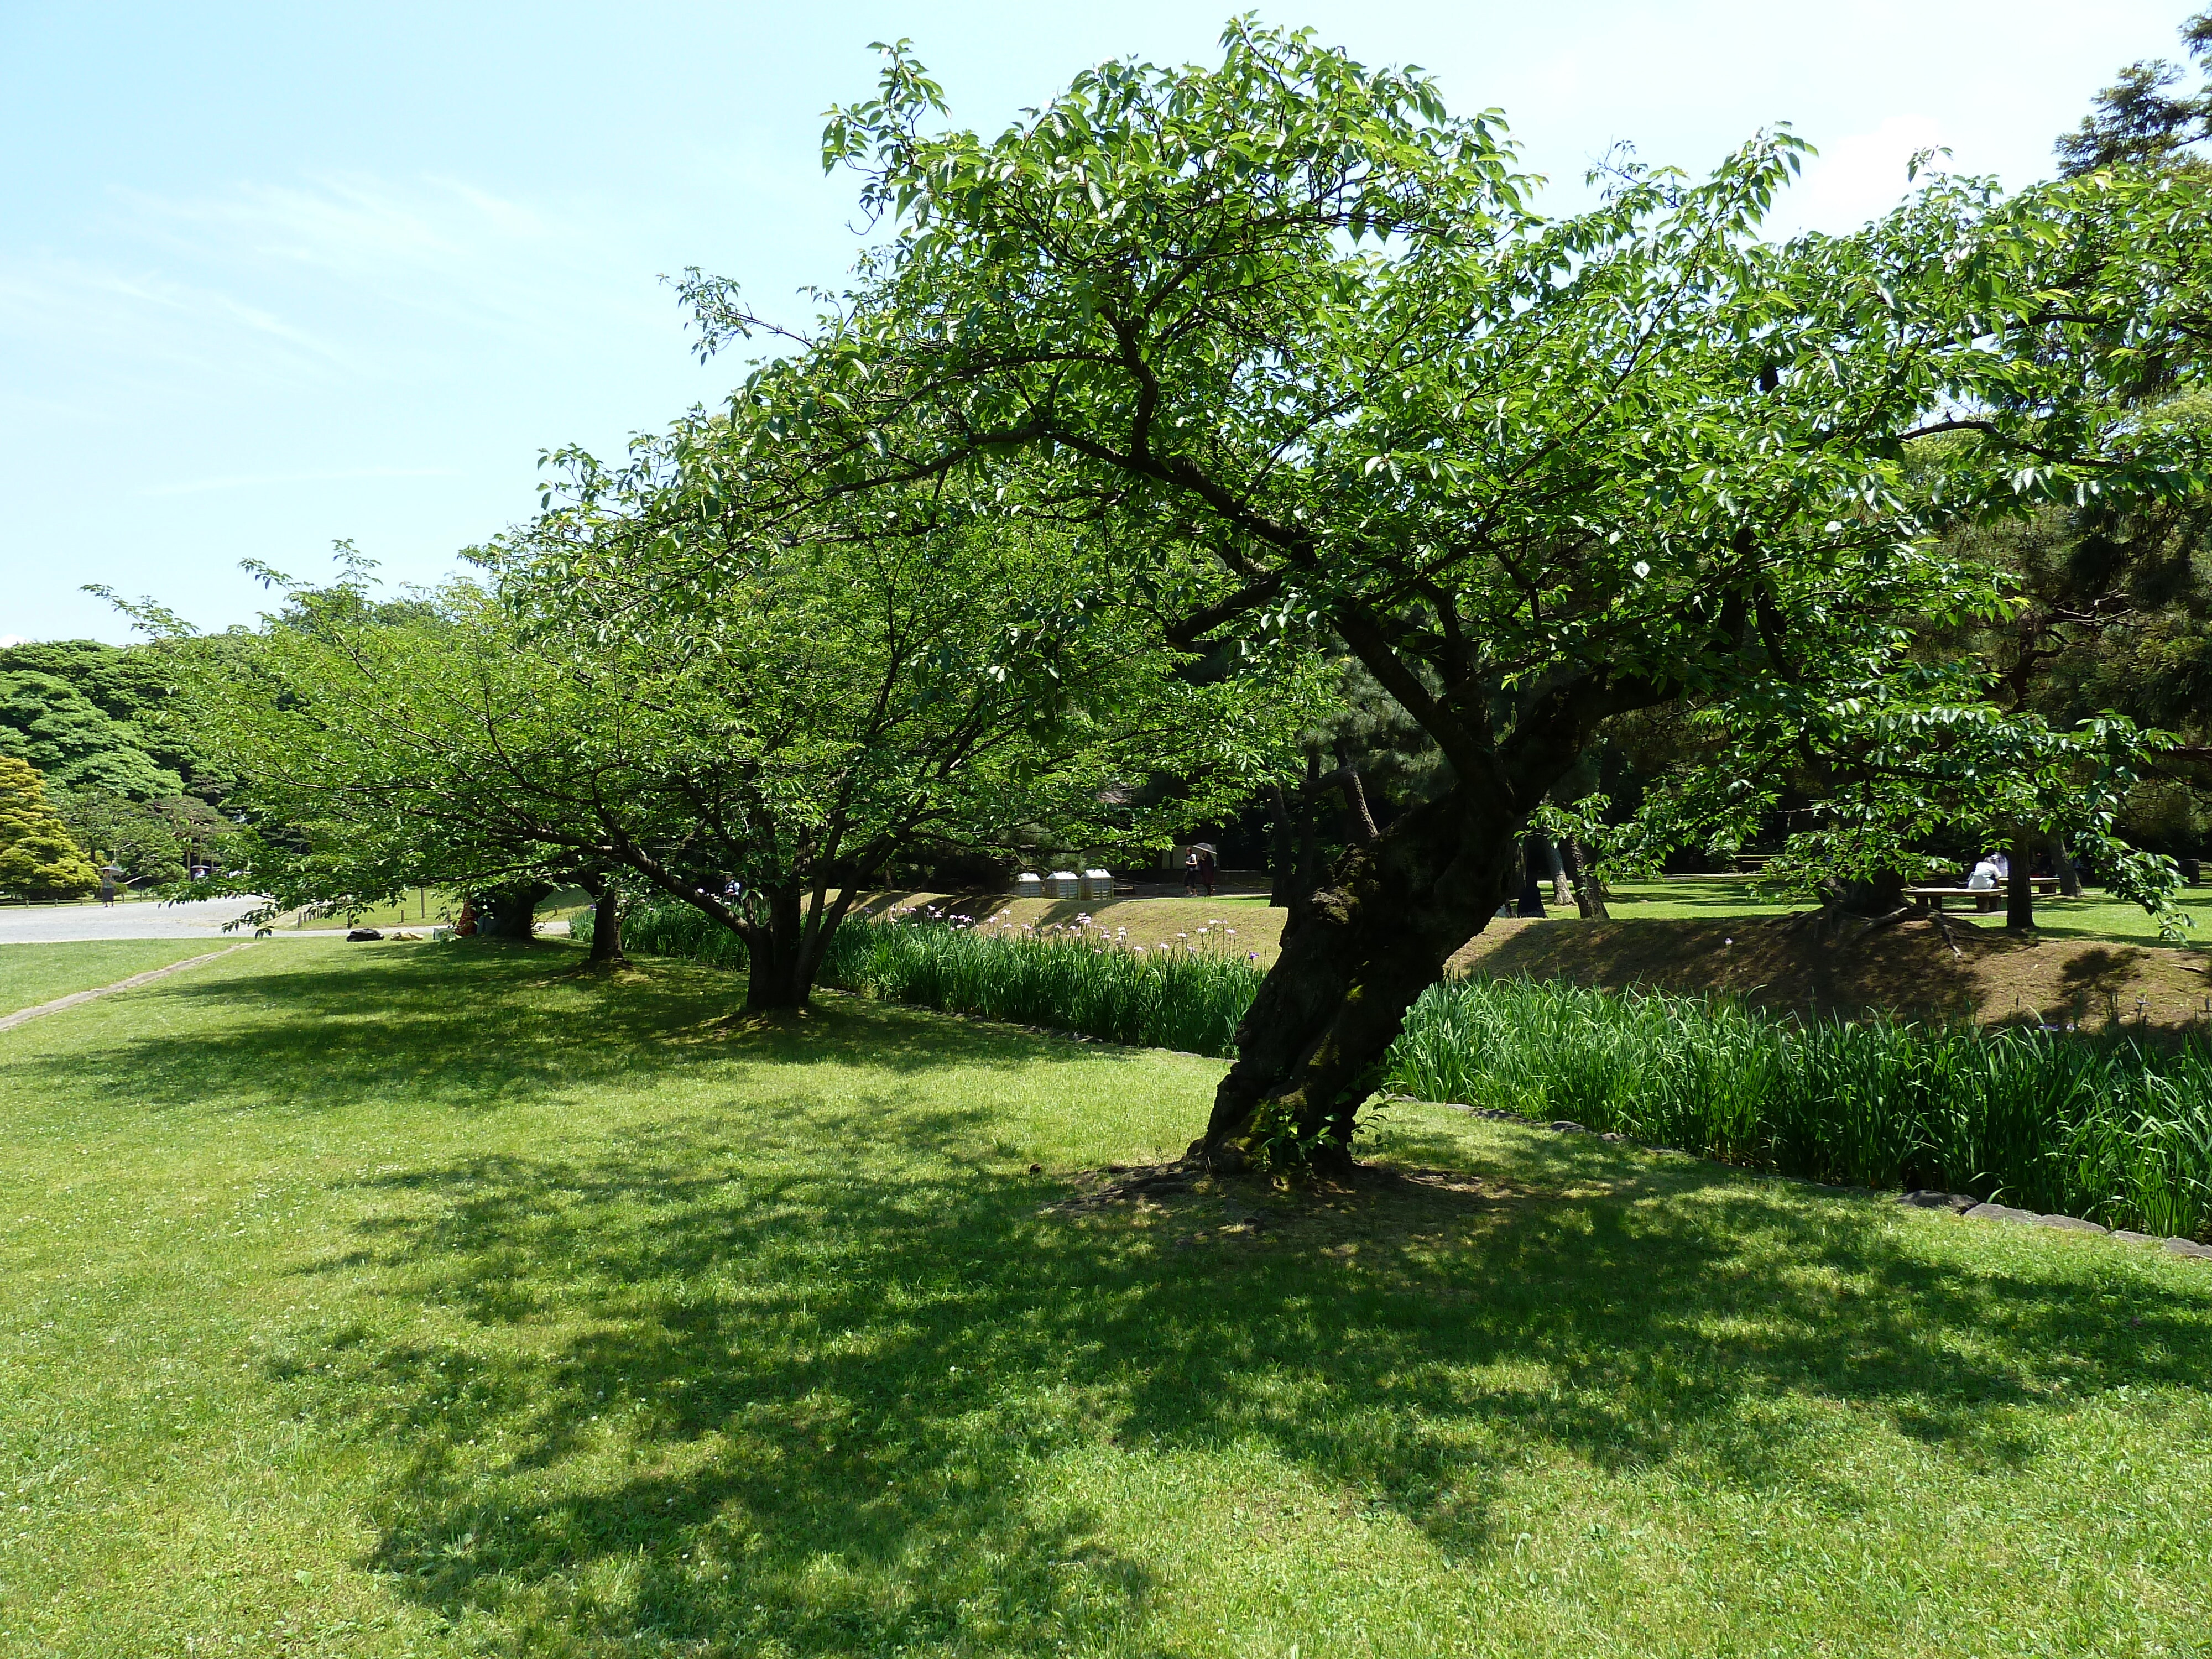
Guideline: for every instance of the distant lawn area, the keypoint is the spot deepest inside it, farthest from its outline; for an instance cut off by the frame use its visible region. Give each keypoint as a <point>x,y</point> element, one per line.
<point>1259,927</point>
<point>411,1299</point>
<point>1242,922</point>
<point>2093,915</point>
<point>423,908</point>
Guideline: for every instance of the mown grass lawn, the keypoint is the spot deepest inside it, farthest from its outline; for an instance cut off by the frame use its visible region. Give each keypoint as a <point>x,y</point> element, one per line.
<point>33,974</point>
<point>398,1299</point>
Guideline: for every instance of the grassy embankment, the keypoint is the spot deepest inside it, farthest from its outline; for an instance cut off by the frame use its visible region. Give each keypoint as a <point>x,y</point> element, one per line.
<point>2114,1125</point>
<point>398,1298</point>
<point>2092,916</point>
<point>1154,921</point>
<point>2095,961</point>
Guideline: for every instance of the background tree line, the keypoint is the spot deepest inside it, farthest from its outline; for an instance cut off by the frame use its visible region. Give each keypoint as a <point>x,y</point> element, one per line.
<point>84,717</point>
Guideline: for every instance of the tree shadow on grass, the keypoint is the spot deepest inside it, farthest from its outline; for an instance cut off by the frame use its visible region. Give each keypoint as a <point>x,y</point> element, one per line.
<point>845,1388</point>
<point>803,1365</point>
<point>447,1025</point>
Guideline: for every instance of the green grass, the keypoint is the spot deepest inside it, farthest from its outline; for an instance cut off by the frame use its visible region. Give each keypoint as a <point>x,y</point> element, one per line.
<point>32,974</point>
<point>9,903</point>
<point>2091,916</point>
<point>2114,1128</point>
<point>379,1300</point>
<point>423,908</point>
<point>1701,900</point>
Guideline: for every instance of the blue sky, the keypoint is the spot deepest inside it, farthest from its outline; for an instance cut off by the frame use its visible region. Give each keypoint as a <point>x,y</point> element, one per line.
<point>271,276</point>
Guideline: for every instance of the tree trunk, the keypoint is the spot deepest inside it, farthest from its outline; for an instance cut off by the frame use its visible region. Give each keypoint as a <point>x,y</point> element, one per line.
<point>773,979</point>
<point>1881,893</point>
<point>1560,892</point>
<point>1359,820</point>
<point>1310,872</point>
<point>1282,871</point>
<point>783,957</point>
<point>511,913</point>
<point>1590,892</point>
<point>2020,890</point>
<point>2062,866</point>
<point>606,920</point>
<point>1354,956</point>
<point>1530,902</point>
<point>1295,872</point>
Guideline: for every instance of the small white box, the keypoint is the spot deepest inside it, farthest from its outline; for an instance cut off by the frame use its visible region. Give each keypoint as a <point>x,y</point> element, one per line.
<point>1063,884</point>
<point>1029,884</point>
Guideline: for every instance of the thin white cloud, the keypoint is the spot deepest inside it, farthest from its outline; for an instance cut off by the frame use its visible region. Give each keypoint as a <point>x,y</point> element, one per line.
<point>1860,176</point>
<point>438,246</point>
<point>337,281</point>
<point>129,322</point>
<point>258,480</point>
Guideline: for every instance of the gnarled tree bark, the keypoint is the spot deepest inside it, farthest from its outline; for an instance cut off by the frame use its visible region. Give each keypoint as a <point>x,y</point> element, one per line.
<point>784,955</point>
<point>2019,888</point>
<point>1590,892</point>
<point>1357,953</point>
<point>511,913</point>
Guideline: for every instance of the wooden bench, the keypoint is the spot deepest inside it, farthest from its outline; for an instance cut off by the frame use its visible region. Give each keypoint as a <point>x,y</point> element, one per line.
<point>1986,898</point>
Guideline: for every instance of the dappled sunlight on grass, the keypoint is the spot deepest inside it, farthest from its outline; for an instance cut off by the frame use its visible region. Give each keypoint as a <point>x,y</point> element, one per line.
<point>527,1312</point>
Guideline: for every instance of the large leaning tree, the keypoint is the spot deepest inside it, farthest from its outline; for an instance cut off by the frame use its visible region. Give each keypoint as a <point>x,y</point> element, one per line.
<point>760,753</point>
<point>1533,473</point>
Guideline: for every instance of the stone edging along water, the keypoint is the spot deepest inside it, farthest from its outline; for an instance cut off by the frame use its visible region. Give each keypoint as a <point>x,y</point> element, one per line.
<point>1958,1204</point>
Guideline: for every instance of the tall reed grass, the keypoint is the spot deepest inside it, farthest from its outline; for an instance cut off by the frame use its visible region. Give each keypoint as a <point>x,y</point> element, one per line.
<point>2113,1127</point>
<point>1186,996</point>
<point>660,928</point>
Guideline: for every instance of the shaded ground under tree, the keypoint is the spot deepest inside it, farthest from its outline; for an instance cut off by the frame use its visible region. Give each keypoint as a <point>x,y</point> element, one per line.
<point>661,1327</point>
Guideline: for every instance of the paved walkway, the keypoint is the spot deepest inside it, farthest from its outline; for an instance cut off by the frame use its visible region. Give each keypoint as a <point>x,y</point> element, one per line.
<point>200,919</point>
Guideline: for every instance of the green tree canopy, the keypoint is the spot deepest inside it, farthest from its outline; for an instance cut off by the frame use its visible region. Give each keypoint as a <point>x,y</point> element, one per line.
<point>762,750</point>
<point>152,842</point>
<point>49,720</point>
<point>1533,473</point>
<point>38,858</point>
<point>2143,118</point>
